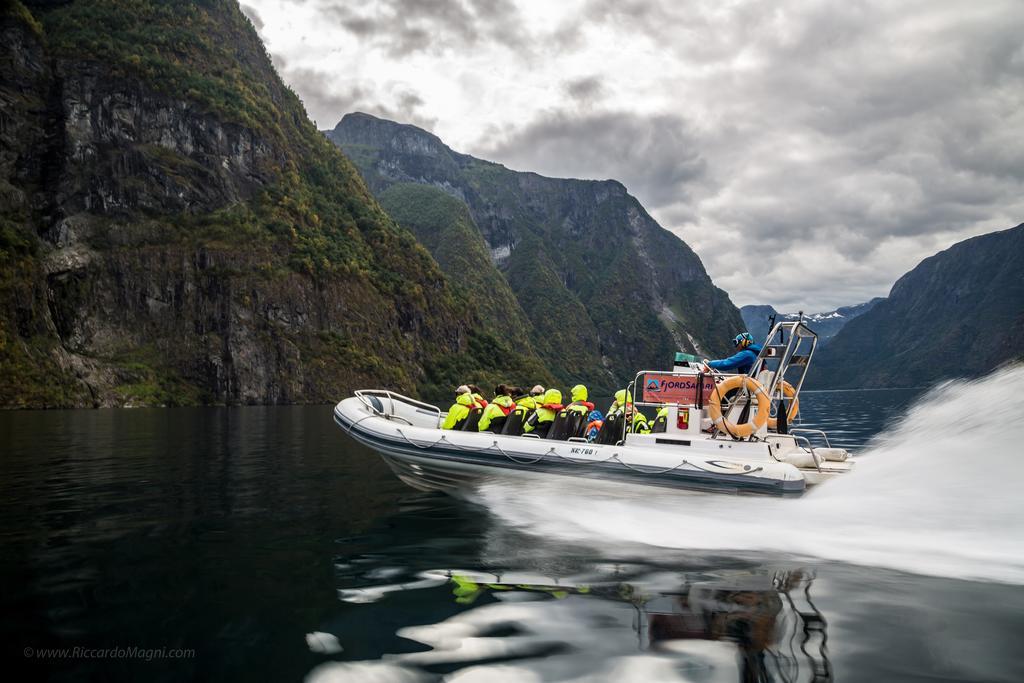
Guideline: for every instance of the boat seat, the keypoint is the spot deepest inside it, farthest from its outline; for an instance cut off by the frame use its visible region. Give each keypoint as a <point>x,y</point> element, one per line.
<point>611,430</point>
<point>560,426</point>
<point>542,429</point>
<point>660,425</point>
<point>514,422</point>
<point>497,424</point>
<point>568,423</point>
<point>472,423</point>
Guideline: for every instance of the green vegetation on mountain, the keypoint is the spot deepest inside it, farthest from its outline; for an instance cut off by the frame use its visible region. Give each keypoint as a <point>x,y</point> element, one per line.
<point>606,290</point>
<point>176,231</point>
<point>959,313</point>
<point>443,225</point>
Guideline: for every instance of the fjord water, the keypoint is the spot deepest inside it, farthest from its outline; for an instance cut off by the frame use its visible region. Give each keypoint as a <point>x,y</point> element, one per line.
<point>275,548</point>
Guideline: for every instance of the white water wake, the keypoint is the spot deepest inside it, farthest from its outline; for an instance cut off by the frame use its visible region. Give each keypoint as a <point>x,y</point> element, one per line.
<point>939,494</point>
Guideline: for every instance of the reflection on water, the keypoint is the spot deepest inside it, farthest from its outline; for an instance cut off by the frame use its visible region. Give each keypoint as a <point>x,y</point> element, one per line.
<point>515,607</point>
<point>278,549</point>
<point>621,621</point>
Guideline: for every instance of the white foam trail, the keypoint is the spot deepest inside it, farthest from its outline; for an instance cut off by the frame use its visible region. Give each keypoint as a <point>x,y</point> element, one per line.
<point>939,494</point>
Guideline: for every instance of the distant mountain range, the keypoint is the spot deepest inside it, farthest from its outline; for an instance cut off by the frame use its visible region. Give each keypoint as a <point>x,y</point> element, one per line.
<point>575,270</point>
<point>826,325</point>
<point>959,313</point>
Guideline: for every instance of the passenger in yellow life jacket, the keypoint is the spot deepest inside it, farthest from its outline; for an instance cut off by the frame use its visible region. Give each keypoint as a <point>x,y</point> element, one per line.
<point>579,400</point>
<point>623,405</point>
<point>622,399</point>
<point>660,420</point>
<point>459,411</point>
<point>524,406</point>
<point>494,414</point>
<point>549,406</point>
<point>640,424</point>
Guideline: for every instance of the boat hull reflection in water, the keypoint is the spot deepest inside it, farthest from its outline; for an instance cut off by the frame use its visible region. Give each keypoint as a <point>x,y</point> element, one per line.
<point>654,624</point>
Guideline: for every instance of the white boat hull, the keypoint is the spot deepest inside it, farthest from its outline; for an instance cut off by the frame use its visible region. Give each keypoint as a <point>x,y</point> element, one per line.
<point>428,458</point>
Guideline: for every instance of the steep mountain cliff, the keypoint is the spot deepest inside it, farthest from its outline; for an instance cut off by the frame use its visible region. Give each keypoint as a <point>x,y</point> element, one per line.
<point>959,313</point>
<point>826,325</point>
<point>174,230</point>
<point>606,289</point>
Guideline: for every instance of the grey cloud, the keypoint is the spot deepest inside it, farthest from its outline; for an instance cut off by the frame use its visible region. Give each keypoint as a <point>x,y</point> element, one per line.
<point>405,27</point>
<point>324,98</point>
<point>327,98</point>
<point>838,128</point>
<point>810,152</point>
<point>585,90</point>
<point>253,16</point>
<point>654,157</point>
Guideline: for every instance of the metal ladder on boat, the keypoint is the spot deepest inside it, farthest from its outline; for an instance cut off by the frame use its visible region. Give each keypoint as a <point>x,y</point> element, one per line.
<point>784,359</point>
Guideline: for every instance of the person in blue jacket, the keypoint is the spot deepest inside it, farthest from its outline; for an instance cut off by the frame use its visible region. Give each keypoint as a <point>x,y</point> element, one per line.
<point>741,361</point>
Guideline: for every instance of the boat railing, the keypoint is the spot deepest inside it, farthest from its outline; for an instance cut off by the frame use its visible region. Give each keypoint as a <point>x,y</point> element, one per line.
<point>371,399</point>
<point>638,402</point>
<point>788,350</point>
<point>817,460</point>
<point>819,432</point>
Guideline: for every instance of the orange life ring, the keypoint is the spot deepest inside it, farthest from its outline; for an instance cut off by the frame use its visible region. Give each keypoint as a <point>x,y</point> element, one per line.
<point>760,417</point>
<point>794,408</point>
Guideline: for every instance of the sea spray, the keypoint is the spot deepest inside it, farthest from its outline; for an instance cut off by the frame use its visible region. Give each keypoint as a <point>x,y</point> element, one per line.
<point>938,494</point>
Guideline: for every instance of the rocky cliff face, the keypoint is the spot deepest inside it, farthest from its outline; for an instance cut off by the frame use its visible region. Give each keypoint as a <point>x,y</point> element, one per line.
<point>959,313</point>
<point>175,231</point>
<point>607,291</point>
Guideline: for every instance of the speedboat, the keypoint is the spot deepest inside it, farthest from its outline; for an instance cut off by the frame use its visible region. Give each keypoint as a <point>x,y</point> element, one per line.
<point>724,433</point>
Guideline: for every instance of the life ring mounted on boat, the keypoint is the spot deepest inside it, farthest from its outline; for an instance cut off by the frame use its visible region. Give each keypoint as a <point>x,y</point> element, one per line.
<point>794,408</point>
<point>760,417</point>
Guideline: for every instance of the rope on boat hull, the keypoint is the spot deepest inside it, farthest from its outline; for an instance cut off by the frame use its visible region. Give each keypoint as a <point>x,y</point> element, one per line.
<point>551,451</point>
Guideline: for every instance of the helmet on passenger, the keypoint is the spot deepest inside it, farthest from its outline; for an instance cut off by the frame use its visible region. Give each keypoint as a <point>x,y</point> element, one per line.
<point>742,340</point>
<point>579,393</point>
<point>537,390</point>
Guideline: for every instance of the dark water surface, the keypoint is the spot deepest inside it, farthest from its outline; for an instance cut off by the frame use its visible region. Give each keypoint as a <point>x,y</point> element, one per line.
<point>253,537</point>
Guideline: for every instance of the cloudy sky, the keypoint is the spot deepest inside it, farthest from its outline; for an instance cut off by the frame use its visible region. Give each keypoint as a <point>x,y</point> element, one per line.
<point>811,152</point>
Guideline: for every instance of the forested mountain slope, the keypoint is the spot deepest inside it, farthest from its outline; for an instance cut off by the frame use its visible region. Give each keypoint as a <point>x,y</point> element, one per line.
<point>174,230</point>
<point>959,313</point>
<point>606,289</point>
